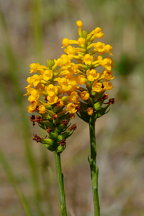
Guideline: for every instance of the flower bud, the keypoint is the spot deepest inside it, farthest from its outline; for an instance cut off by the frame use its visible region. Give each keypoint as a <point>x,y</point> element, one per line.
<point>61,127</point>
<point>47,141</point>
<point>53,135</point>
<point>60,149</point>
<point>37,138</point>
<point>49,130</point>
<point>65,122</point>
<point>66,134</point>
<point>111,101</point>
<point>49,144</point>
<point>50,63</point>
<point>60,137</point>
<point>84,34</point>
<point>97,106</point>
<point>73,127</point>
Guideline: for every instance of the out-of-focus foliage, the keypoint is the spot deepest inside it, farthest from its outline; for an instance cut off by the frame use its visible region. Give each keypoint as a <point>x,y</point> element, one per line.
<point>31,31</point>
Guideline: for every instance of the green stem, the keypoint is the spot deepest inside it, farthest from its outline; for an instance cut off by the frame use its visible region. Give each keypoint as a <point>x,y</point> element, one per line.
<point>62,201</point>
<point>93,166</point>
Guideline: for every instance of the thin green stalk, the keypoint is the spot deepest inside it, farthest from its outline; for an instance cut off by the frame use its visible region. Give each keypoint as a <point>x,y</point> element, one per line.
<point>13,180</point>
<point>46,180</point>
<point>63,211</point>
<point>93,166</point>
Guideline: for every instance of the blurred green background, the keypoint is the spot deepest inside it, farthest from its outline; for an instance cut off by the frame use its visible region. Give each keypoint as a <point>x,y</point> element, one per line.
<point>31,31</point>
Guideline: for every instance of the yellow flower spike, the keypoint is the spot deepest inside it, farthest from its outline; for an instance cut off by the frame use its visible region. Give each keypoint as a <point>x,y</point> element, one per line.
<point>107,85</point>
<point>97,86</point>
<point>88,59</point>
<point>42,109</point>
<point>84,95</point>
<point>71,108</point>
<point>90,111</point>
<point>92,75</point>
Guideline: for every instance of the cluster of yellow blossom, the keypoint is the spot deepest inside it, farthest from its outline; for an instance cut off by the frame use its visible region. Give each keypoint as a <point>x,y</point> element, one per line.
<point>75,82</point>
<point>53,85</point>
<point>82,64</point>
<point>94,65</point>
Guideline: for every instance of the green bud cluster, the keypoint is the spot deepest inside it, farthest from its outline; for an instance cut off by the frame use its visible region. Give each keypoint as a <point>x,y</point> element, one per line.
<point>58,129</point>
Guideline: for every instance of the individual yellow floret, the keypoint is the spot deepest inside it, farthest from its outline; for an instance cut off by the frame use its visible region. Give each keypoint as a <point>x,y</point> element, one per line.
<point>51,90</point>
<point>36,67</point>
<point>74,97</point>
<point>34,95</point>
<point>107,63</point>
<point>88,59</point>
<point>98,32</point>
<point>47,75</point>
<point>52,99</point>
<point>92,75</point>
<point>107,85</point>
<point>90,111</point>
<point>84,95</point>
<point>97,86</point>
<point>34,80</point>
<point>71,108</point>
<point>32,107</point>
<point>63,60</point>
<point>81,41</point>
<point>70,50</point>
<point>66,42</point>
<point>81,79</point>
<point>79,23</point>
<point>108,49</point>
<point>107,75</point>
<point>41,109</point>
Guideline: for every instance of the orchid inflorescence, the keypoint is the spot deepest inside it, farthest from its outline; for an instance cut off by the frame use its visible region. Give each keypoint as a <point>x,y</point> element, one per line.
<point>75,83</point>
